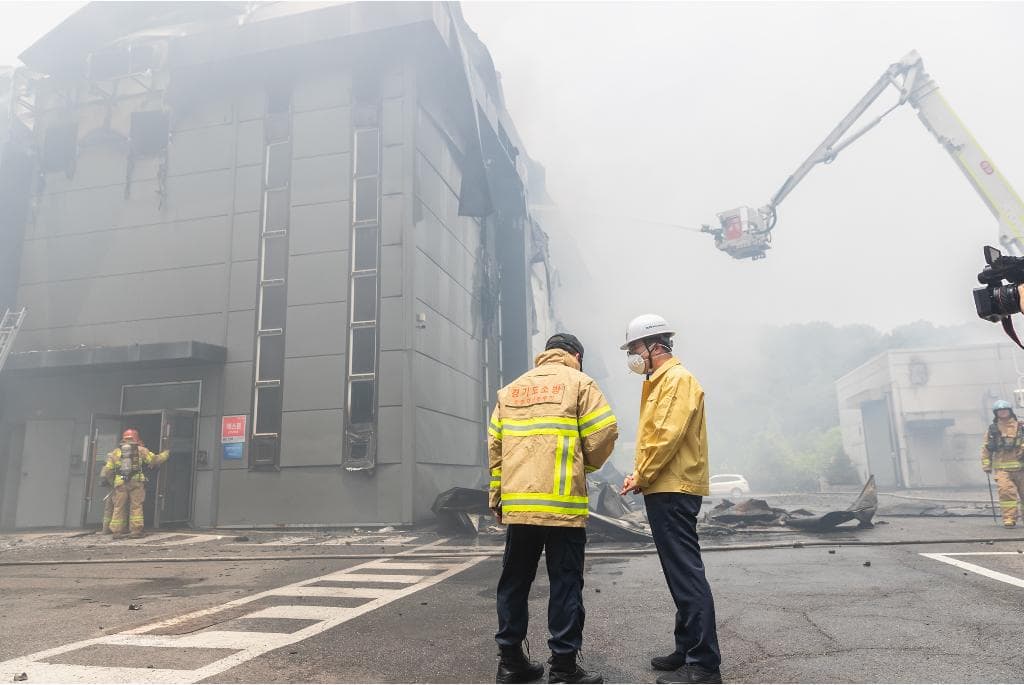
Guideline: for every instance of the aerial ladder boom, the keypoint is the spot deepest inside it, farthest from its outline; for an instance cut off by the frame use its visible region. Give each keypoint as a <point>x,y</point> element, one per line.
<point>745,232</point>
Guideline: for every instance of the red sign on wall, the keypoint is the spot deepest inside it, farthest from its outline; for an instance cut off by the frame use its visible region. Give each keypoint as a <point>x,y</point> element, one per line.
<point>232,429</point>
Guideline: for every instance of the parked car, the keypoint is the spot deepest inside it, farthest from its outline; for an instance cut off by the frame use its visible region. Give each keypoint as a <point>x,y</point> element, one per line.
<point>730,484</point>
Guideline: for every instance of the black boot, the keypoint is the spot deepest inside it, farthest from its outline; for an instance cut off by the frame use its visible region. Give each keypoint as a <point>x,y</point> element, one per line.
<point>515,667</point>
<point>673,661</point>
<point>565,668</point>
<point>692,673</point>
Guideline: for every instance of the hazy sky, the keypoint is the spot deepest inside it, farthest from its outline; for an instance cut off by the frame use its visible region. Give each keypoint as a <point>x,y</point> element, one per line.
<point>675,111</point>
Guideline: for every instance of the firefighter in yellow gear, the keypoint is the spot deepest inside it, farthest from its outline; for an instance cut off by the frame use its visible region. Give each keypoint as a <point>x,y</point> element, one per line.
<point>550,428</point>
<point>1001,452</point>
<point>124,468</point>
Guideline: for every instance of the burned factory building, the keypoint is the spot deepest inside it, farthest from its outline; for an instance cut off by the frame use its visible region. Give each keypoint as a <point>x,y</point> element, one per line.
<point>291,243</point>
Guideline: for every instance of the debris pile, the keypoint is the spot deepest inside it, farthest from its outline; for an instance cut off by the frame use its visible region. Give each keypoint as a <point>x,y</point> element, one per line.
<point>757,512</point>
<point>614,518</point>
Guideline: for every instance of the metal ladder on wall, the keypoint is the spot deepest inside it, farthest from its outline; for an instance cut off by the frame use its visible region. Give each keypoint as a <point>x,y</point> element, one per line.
<point>9,327</point>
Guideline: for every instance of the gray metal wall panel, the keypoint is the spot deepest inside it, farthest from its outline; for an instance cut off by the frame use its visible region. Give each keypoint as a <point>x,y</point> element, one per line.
<point>442,389</point>
<point>251,104</point>
<point>389,435</point>
<point>327,178</point>
<point>446,342</point>
<point>237,388</point>
<point>197,195</point>
<point>211,110</point>
<point>201,149</point>
<point>243,286</point>
<point>321,132</point>
<point>245,237</point>
<point>82,211</point>
<point>311,496</point>
<point>251,144</point>
<point>443,439</point>
<point>45,475</point>
<point>181,292</point>
<point>316,329</point>
<point>391,271</point>
<point>311,438</point>
<point>392,121</point>
<point>314,383</point>
<point>317,278</point>
<point>389,386</point>
<point>248,189</point>
<point>392,169</point>
<point>392,217</point>
<point>124,251</point>
<point>320,227</point>
<point>202,508</point>
<point>447,250</point>
<point>322,90</point>
<point>241,331</point>
<point>95,166</point>
<point>393,326</point>
<point>443,294</point>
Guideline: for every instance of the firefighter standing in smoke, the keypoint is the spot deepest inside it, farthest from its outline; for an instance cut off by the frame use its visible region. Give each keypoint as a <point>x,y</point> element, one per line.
<point>124,468</point>
<point>550,427</point>
<point>1002,452</point>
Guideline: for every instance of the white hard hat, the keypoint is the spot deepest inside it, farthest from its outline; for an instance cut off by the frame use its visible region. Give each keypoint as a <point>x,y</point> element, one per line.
<point>644,326</point>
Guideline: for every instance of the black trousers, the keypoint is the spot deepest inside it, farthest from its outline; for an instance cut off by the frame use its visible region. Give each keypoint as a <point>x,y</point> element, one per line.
<point>673,519</point>
<point>564,549</point>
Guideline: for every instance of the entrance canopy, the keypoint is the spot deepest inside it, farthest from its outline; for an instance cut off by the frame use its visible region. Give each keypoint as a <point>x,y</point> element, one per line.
<point>186,352</point>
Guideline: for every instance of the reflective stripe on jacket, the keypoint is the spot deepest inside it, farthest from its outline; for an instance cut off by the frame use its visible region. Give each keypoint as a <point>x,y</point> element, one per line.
<point>672,439</point>
<point>112,469</point>
<point>1002,447</point>
<point>550,427</point>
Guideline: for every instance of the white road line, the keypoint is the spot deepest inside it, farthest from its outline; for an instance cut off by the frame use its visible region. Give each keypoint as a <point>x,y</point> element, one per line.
<point>371,578</point>
<point>249,644</point>
<point>980,570</point>
<point>406,566</point>
<point>325,591</point>
<point>312,612</point>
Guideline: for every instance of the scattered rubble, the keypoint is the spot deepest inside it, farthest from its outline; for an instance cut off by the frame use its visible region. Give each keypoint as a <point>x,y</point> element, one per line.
<point>757,512</point>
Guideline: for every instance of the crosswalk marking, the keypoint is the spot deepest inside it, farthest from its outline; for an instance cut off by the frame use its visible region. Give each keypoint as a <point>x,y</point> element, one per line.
<point>322,591</point>
<point>250,644</point>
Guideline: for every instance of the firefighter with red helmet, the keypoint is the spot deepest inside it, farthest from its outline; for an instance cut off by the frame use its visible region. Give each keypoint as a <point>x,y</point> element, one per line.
<point>125,470</point>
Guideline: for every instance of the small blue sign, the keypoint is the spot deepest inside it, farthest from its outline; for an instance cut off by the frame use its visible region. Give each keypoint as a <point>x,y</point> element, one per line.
<point>233,450</point>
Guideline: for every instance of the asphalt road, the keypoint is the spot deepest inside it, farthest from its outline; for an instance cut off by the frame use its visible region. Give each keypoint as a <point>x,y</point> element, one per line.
<point>796,614</point>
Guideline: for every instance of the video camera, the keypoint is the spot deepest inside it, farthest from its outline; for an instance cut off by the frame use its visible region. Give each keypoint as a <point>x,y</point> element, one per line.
<point>997,301</point>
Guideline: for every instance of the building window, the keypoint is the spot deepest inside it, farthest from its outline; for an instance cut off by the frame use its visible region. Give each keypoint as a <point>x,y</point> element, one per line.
<point>272,304</point>
<point>361,406</point>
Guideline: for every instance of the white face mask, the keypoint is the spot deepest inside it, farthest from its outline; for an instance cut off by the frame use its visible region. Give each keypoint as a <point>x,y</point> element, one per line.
<point>636,364</point>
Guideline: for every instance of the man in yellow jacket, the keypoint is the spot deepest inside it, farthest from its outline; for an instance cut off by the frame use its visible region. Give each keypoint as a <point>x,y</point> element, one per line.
<point>550,427</point>
<point>672,473</point>
<point>124,468</point>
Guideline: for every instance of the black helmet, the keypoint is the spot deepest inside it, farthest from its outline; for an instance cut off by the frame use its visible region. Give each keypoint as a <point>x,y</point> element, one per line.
<point>566,341</point>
